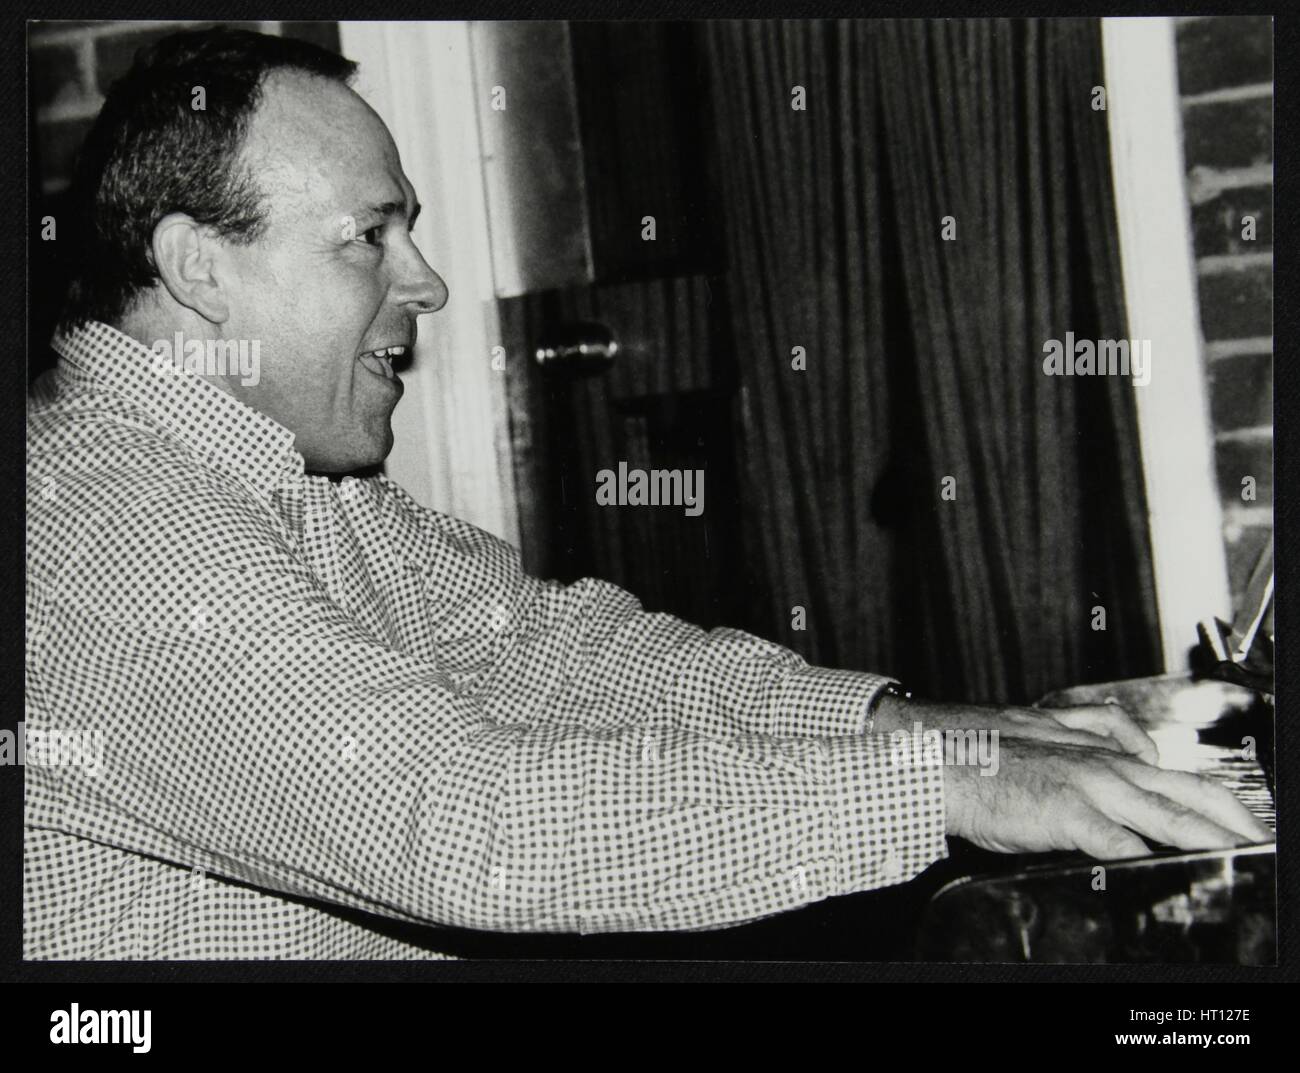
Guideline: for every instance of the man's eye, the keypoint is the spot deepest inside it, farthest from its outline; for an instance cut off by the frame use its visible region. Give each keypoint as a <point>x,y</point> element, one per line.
<point>372,236</point>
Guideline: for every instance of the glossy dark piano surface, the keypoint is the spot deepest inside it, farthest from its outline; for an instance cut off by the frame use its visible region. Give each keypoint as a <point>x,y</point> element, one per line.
<point>1211,907</point>
<point>1217,907</point>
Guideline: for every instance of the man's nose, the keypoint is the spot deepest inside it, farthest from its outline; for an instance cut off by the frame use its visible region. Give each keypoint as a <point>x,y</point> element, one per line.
<point>420,286</point>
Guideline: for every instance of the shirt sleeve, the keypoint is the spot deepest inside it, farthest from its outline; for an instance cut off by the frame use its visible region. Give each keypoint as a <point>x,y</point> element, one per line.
<point>254,729</point>
<point>589,655</point>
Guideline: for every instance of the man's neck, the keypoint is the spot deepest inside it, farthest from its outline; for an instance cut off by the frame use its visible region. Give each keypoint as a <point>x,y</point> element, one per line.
<point>152,328</point>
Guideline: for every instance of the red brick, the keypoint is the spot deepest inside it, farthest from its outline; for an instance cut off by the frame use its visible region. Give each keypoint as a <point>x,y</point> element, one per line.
<point>55,75</point>
<point>49,27</point>
<point>1229,134</point>
<point>56,146</point>
<point>1237,303</point>
<point>1241,391</point>
<point>114,53</point>
<point>1216,224</point>
<point>1216,53</point>
<point>1235,459</point>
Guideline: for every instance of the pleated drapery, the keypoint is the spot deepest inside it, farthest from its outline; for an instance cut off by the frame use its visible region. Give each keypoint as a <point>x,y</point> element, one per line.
<point>937,209</point>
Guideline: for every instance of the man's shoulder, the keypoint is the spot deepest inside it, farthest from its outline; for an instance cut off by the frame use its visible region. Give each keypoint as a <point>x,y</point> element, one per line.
<point>77,427</point>
<point>424,536</point>
<point>100,466</point>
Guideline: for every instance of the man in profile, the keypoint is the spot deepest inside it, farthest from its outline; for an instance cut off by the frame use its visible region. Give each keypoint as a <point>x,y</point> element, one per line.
<point>316,696</point>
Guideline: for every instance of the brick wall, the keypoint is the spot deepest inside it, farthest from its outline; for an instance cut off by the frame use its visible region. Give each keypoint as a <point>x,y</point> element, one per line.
<point>1225,76</point>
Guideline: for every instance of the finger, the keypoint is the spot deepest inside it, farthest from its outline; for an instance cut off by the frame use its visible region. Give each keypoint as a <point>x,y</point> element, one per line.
<point>1103,838</point>
<point>1055,731</point>
<point>1205,796</point>
<point>1167,821</point>
<point>1112,721</point>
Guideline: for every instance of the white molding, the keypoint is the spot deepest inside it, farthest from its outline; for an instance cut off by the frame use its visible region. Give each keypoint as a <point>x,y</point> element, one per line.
<point>1205,183</point>
<point>1220,264</point>
<point>1223,349</point>
<point>1151,204</point>
<point>452,449</point>
<point>1230,93</point>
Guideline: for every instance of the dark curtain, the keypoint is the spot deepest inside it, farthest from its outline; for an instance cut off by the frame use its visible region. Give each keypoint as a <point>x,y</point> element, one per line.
<point>924,356</point>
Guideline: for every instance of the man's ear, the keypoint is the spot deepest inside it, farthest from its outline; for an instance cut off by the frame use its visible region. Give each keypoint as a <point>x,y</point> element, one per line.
<point>185,254</point>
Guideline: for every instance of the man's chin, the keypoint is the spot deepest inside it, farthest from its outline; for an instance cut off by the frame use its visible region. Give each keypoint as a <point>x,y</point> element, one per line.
<point>354,459</point>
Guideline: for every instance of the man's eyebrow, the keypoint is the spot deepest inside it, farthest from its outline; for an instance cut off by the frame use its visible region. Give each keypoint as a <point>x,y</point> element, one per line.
<point>385,209</point>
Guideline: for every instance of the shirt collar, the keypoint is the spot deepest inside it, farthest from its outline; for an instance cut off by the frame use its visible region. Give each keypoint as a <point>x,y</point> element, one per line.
<point>221,431</point>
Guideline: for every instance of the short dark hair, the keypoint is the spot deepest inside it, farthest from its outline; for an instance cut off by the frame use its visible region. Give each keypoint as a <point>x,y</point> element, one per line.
<point>151,152</point>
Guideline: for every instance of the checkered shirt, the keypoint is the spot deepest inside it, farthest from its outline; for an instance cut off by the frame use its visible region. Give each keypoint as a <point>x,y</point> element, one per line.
<point>311,693</point>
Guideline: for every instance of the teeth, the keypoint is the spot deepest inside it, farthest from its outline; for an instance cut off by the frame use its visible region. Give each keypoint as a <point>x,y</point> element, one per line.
<point>379,364</point>
<point>379,361</point>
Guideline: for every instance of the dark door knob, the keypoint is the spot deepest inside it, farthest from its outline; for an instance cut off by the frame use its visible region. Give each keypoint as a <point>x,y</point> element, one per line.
<point>581,349</point>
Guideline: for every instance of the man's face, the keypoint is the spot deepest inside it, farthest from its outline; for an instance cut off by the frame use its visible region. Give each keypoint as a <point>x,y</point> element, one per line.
<point>334,277</point>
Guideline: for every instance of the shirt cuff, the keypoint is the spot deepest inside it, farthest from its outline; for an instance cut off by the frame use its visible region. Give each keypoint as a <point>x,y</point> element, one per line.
<point>889,795</point>
<point>824,702</point>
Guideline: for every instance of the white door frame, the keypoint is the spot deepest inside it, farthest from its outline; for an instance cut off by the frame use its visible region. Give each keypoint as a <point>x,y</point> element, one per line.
<point>1151,206</point>
<point>452,451</point>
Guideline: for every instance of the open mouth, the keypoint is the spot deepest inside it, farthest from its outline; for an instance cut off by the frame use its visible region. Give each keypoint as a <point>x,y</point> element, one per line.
<point>380,361</point>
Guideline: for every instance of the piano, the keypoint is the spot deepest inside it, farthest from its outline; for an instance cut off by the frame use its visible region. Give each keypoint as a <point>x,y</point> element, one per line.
<point>1217,906</point>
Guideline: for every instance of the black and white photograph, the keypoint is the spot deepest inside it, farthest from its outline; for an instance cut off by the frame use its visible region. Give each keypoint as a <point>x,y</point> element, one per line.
<point>673,490</point>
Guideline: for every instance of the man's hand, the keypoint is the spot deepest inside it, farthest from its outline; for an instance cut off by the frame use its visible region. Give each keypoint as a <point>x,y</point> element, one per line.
<point>1049,796</point>
<point>1099,726</point>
